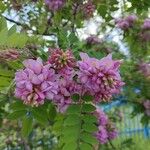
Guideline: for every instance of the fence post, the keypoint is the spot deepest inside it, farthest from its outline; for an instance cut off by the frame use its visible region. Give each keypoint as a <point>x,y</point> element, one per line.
<point>146,132</point>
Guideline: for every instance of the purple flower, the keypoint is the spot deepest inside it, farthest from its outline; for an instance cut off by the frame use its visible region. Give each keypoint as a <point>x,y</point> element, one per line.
<point>100,78</point>
<point>88,9</point>
<point>145,69</point>
<point>55,5</point>
<point>35,83</point>
<point>122,24</point>
<point>146,104</point>
<point>127,22</point>
<point>146,25</point>
<point>60,59</point>
<point>131,19</point>
<point>101,116</point>
<point>106,129</point>
<point>102,135</point>
<point>93,40</point>
<point>145,36</point>
<point>67,86</point>
<point>112,131</point>
<point>112,134</point>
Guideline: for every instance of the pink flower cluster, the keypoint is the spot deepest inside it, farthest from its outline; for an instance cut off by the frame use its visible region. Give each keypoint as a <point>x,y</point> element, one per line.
<point>146,105</point>
<point>127,22</point>
<point>9,55</point>
<point>145,69</point>
<point>146,24</point>
<point>100,78</point>
<point>55,5</point>
<point>106,129</point>
<point>88,9</point>
<point>93,40</point>
<point>61,77</point>
<point>60,59</point>
<point>35,83</point>
<point>145,34</point>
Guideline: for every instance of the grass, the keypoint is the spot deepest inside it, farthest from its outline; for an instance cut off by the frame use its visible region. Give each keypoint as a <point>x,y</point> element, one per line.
<point>135,143</point>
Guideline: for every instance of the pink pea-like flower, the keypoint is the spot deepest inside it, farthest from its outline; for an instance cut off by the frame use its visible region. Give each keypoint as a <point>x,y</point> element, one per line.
<point>55,5</point>
<point>100,78</point>
<point>127,22</point>
<point>146,104</point>
<point>88,9</point>
<point>145,36</point>
<point>144,68</point>
<point>106,129</point>
<point>93,40</point>
<point>131,19</point>
<point>9,55</point>
<point>61,59</point>
<point>35,83</point>
<point>146,25</point>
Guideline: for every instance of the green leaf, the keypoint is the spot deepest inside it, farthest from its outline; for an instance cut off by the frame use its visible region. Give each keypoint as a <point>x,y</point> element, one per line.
<point>18,105</point>
<point>69,138</point>
<point>87,98</point>
<point>3,23</point>
<point>38,115</point>
<point>2,8</point>
<point>75,97</point>
<point>89,127</point>
<point>4,81</point>
<point>6,73</point>
<point>17,40</point>
<point>26,126</point>
<point>52,112</point>
<point>73,109</point>
<point>89,118</point>
<point>85,146</point>
<point>71,130</point>
<point>102,10</point>
<point>89,138</point>
<point>70,146</point>
<point>88,108</point>
<point>72,120</point>
<point>72,38</point>
<point>12,30</point>
<point>58,124</point>
<point>3,36</point>
<point>17,114</point>
<point>15,65</point>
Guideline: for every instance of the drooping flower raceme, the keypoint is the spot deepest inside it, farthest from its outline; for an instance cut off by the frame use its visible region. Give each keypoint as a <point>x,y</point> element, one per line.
<point>127,22</point>
<point>100,78</point>
<point>66,88</point>
<point>61,77</point>
<point>106,129</point>
<point>64,62</point>
<point>55,5</point>
<point>10,54</point>
<point>145,34</point>
<point>61,59</point>
<point>146,24</point>
<point>93,40</point>
<point>101,116</point>
<point>35,83</point>
<point>145,69</point>
<point>146,105</point>
<point>88,9</point>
